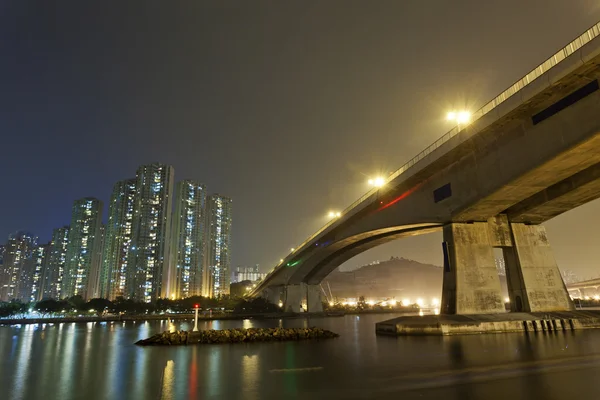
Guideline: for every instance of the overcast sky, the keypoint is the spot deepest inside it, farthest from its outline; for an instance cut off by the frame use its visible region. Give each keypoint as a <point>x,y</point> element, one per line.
<point>285,106</point>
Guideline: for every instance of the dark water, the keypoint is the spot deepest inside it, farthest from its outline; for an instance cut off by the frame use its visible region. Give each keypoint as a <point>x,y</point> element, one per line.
<point>99,361</point>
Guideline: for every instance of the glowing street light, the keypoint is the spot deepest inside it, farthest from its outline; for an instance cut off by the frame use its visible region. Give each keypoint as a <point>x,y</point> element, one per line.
<point>461,117</point>
<point>334,214</point>
<point>377,182</point>
<point>292,249</point>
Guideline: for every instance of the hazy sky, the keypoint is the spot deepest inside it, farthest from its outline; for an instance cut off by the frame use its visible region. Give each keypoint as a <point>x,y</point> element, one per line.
<point>286,106</point>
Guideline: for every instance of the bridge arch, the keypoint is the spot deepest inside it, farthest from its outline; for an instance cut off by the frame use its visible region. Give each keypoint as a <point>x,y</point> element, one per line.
<point>320,264</point>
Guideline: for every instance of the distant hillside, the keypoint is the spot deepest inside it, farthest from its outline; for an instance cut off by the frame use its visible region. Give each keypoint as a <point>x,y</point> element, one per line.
<point>398,278</point>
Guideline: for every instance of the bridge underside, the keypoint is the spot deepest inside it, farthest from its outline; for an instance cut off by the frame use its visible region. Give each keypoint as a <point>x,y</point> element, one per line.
<point>490,185</point>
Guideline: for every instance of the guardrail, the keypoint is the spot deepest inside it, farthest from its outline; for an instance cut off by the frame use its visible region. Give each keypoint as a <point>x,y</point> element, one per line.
<point>544,67</point>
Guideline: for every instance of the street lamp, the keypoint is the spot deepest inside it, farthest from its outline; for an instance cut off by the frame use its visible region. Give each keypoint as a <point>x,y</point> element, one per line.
<point>334,214</point>
<point>460,117</point>
<point>377,182</point>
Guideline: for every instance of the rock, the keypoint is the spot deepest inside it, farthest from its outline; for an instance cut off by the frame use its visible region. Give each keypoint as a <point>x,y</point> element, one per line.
<point>237,336</point>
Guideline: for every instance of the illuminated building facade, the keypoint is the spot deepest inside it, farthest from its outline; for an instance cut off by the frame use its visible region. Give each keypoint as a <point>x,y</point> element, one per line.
<point>217,273</point>
<point>117,240</point>
<point>39,266</point>
<point>148,259</point>
<point>57,258</point>
<point>248,274</point>
<point>15,277</point>
<point>83,249</point>
<point>187,248</point>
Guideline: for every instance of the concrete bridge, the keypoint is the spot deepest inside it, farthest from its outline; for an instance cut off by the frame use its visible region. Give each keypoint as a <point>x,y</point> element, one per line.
<point>584,288</point>
<point>530,154</point>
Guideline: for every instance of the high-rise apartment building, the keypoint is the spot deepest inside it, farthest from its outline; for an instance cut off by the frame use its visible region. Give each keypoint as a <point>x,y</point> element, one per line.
<point>35,290</point>
<point>95,271</point>
<point>148,260</point>
<point>82,248</point>
<point>117,240</point>
<point>15,280</point>
<point>57,257</point>
<point>252,274</point>
<point>187,248</point>
<point>217,274</point>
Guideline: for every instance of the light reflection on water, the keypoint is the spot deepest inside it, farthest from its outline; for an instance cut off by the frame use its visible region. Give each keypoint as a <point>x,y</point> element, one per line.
<point>72,361</point>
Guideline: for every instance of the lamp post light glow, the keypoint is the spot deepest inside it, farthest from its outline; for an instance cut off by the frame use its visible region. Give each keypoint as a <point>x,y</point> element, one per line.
<point>460,117</point>
<point>377,182</point>
<point>334,214</point>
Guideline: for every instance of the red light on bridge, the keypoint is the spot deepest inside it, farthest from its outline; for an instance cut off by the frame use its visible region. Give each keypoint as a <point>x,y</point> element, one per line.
<point>196,306</point>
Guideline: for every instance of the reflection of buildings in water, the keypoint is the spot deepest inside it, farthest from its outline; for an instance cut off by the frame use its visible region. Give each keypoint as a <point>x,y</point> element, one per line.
<point>67,341</point>
<point>214,325</point>
<point>250,376</point>
<point>168,381</point>
<point>213,371</point>
<point>23,360</point>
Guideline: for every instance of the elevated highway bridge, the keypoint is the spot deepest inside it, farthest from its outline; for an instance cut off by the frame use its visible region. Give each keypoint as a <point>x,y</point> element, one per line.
<point>530,154</point>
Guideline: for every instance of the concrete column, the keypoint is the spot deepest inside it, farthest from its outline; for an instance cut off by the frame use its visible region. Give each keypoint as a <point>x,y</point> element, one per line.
<point>295,295</point>
<point>534,281</point>
<point>273,294</point>
<point>471,284</point>
<point>313,298</point>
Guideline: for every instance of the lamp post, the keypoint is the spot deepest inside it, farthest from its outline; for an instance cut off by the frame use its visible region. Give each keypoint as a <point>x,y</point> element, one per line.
<point>195,318</point>
<point>461,117</point>
<point>377,182</point>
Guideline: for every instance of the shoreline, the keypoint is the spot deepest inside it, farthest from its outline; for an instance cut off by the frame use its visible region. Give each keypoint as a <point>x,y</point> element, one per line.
<point>175,317</point>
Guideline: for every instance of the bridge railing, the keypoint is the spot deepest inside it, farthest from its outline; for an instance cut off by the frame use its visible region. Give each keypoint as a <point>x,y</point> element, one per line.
<point>538,71</point>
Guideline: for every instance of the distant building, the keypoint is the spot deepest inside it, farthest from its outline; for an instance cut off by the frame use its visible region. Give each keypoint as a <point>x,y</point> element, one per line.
<point>217,273</point>
<point>40,264</point>
<point>57,258</point>
<point>187,248</point>
<point>117,240</point>
<point>148,259</point>
<point>15,278</point>
<point>248,274</point>
<point>96,271</point>
<point>82,248</point>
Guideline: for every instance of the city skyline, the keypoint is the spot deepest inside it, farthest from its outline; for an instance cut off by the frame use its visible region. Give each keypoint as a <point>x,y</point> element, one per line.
<point>353,121</point>
<point>152,246</point>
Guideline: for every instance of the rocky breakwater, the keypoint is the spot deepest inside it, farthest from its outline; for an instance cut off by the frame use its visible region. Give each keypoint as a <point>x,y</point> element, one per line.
<point>236,336</point>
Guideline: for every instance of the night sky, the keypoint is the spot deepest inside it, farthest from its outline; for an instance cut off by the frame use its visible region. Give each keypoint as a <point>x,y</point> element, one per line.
<point>285,106</point>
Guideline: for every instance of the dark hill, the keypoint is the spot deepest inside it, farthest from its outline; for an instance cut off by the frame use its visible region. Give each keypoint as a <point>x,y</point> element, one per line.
<point>398,278</point>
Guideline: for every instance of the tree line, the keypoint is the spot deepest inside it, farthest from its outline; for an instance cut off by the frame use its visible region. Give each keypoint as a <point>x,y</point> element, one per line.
<point>76,305</point>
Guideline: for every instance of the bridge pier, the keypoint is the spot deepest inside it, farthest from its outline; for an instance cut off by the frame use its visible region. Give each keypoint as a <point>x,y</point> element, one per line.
<point>471,284</point>
<point>303,296</point>
<point>313,298</point>
<point>294,298</point>
<point>274,294</point>
<point>534,280</point>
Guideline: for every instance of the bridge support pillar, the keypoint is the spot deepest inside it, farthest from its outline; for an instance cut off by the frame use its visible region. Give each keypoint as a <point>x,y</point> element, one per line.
<point>295,297</point>
<point>274,294</point>
<point>303,297</point>
<point>313,298</point>
<point>471,284</point>
<point>534,280</point>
